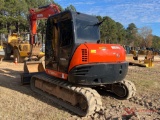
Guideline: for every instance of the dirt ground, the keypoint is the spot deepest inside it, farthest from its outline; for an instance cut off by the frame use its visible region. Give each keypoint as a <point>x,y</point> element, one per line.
<point>18,102</point>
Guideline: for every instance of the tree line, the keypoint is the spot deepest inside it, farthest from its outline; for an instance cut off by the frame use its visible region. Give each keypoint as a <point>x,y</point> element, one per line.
<point>13,18</point>
<point>114,32</point>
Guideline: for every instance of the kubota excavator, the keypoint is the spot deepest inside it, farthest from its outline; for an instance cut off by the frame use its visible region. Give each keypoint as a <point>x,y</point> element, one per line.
<point>76,63</point>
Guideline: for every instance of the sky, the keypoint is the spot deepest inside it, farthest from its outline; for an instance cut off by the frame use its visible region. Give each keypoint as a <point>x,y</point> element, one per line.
<point>143,13</point>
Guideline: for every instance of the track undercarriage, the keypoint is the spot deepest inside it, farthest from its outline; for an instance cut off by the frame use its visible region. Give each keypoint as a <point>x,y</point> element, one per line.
<point>81,100</point>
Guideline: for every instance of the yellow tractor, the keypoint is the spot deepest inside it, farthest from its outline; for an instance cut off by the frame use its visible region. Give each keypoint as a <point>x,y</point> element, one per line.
<point>139,57</point>
<point>20,48</point>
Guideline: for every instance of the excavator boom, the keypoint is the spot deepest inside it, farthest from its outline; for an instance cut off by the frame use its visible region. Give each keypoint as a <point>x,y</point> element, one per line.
<point>41,13</point>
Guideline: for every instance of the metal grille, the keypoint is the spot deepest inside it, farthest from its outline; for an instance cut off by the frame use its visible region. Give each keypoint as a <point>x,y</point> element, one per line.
<point>81,70</point>
<point>84,55</point>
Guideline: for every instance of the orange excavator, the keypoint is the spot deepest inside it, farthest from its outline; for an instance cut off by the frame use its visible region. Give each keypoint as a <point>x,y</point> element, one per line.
<point>77,64</point>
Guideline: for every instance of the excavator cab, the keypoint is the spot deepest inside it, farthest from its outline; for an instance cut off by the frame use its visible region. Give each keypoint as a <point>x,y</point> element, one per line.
<point>59,42</point>
<point>64,33</point>
<point>73,52</point>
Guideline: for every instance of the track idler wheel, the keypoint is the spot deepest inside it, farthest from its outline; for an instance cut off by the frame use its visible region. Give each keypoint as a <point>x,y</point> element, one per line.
<point>124,89</point>
<point>83,103</point>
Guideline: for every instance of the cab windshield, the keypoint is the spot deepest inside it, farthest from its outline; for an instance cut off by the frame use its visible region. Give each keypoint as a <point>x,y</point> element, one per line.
<point>87,31</point>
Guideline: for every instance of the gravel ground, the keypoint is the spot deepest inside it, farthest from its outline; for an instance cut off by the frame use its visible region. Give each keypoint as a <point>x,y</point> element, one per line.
<point>18,102</point>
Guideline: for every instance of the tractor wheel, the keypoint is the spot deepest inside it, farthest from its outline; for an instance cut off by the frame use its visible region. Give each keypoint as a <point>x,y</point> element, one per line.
<point>6,55</point>
<point>17,55</point>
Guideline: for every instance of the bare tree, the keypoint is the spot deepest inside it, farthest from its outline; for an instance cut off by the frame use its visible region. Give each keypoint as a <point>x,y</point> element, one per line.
<point>146,35</point>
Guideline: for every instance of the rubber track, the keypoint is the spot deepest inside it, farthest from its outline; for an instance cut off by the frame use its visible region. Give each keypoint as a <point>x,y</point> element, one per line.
<point>92,97</point>
<point>131,88</point>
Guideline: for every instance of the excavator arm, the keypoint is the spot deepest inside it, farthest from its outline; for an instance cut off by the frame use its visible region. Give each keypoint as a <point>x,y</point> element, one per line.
<point>40,13</point>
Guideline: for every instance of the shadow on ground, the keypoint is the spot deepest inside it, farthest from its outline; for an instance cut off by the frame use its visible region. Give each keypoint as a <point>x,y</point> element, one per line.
<point>11,79</point>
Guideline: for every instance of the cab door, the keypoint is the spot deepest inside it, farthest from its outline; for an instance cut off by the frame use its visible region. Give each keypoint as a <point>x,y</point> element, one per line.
<point>52,45</point>
<point>66,44</point>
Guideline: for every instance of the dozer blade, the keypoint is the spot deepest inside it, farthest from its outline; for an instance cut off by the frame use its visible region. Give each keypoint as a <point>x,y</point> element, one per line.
<point>31,68</point>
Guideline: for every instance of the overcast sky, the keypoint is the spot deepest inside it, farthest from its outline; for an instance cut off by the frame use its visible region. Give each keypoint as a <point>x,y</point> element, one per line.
<point>141,12</point>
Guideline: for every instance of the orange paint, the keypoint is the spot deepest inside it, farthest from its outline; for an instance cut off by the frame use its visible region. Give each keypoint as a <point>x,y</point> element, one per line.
<point>57,74</point>
<point>97,53</point>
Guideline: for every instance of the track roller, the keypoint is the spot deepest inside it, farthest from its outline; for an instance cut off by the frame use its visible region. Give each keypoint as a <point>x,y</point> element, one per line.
<point>124,89</point>
<point>121,90</point>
